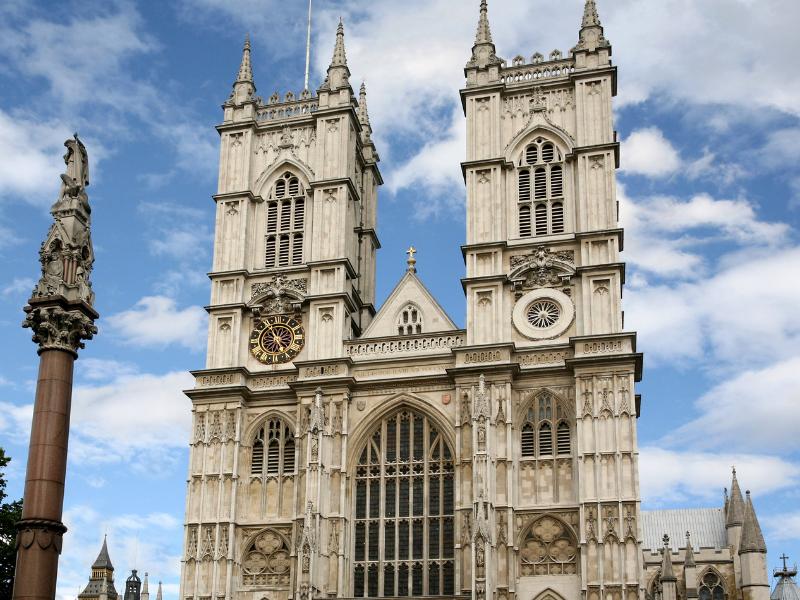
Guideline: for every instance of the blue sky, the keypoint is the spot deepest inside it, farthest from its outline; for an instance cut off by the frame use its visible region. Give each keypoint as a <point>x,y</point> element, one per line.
<point>709,195</point>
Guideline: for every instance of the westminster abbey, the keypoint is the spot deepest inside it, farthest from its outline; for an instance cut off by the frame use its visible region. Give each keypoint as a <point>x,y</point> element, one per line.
<point>341,450</point>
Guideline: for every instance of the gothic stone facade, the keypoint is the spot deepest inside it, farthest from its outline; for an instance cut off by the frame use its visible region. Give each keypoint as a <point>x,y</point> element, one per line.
<point>340,451</point>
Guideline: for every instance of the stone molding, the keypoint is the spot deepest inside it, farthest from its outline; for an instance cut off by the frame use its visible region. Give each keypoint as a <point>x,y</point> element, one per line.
<point>47,534</point>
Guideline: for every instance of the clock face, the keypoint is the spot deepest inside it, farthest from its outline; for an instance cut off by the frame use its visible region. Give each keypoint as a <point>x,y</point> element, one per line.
<point>277,339</point>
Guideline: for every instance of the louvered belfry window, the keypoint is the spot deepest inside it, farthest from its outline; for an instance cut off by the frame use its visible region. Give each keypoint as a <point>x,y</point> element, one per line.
<point>286,213</point>
<point>545,433</point>
<point>540,181</point>
<point>404,499</point>
<point>273,450</point>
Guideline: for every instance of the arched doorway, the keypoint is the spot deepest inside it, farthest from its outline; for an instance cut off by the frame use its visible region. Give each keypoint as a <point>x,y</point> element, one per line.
<point>403,522</point>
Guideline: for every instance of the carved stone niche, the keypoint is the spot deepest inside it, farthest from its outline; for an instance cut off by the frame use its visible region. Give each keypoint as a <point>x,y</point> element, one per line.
<point>543,267</point>
<point>279,295</point>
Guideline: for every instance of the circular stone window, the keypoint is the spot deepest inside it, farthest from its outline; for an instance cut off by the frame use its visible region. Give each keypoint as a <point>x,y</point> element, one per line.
<point>543,314</point>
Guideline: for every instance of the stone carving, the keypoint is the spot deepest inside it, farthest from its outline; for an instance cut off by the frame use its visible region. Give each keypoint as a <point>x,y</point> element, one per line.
<point>222,546</point>
<point>191,546</point>
<point>501,529</point>
<point>48,535</point>
<point>481,408</point>
<point>215,431</point>
<point>317,420</point>
<point>591,526</point>
<point>333,539</point>
<point>278,295</point>
<point>57,329</point>
<point>466,529</point>
<point>541,268</point>
<point>267,560</point>
<point>207,548</point>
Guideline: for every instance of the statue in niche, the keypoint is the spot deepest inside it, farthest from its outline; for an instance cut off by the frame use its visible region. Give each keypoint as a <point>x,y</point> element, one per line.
<point>75,180</point>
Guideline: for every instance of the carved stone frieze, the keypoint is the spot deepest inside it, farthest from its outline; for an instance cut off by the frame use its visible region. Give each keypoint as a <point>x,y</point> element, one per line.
<point>48,535</point>
<point>542,268</point>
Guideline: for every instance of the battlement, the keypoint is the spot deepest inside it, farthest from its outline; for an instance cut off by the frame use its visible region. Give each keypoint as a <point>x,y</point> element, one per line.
<point>538,68</point>
<point>291,106</point>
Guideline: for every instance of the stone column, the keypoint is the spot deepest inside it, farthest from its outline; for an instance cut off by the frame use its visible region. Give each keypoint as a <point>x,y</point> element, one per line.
<point>61,316</point>
<point>58,332</point>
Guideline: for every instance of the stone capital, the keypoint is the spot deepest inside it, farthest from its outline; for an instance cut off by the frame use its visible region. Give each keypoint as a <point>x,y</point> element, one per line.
<point>58,325</point>
<point>48,535</point>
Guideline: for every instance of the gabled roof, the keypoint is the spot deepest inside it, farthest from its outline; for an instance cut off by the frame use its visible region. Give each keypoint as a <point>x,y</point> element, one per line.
<point>409,289</point>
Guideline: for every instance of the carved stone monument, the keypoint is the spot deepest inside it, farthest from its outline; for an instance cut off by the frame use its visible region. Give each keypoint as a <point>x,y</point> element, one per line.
<point>61,315</point>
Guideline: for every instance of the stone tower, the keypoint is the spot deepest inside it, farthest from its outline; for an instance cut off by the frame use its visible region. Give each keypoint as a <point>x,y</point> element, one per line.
<point>544,284</point>
<point>342,452</point>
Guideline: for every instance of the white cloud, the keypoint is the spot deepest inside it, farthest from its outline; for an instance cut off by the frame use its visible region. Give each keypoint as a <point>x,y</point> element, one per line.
<point>668,476</point>
<point>755,410</point>
<point>15,421</point>
<point>782,527</point>
<point>17,286</point>
<point>31,149</point>
<point>744,316</point>
<point>100,369</point>
<point>156,321</point>
<point>647,152</point>
<point>664,235</point>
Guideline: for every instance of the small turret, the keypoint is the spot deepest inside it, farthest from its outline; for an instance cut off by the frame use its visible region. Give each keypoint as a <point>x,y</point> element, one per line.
<point>669,583</point>
<point>133,587</point>
<point>145,588</point>
<point>363,114</point>
<point>484,52</point>
<point>338,71</point>
<point>786,587</point>
<point>591,35</point>
<point>734,514</point>
<point>753,556</point>
<point>690,569</point>
<point>159,594</point>
<point>244,87</point>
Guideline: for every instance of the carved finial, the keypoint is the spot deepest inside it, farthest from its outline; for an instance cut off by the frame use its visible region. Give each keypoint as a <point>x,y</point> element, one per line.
<point>590,16</point>
<point>412,262</point>
<point>591,35</point>
<point>483,51</point>
<point>484,33</point>
<point>339,55</point>
<point>245,69</point>
<point>689,560</point>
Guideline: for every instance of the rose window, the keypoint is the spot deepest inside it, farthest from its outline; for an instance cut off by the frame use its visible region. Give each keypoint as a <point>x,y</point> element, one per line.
<point>266,561</point>
<point>549,549</point>
<point>543,313</point>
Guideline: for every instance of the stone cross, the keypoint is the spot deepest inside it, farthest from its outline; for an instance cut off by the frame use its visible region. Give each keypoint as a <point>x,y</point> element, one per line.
<point>412,261</point>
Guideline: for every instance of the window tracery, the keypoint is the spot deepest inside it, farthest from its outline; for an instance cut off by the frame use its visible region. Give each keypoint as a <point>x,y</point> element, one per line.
<point>267,560</point>
<point>545,423</point>
<point>409,321</point>
<point>540,184</point>
<point>711,587</point>
<point>549,548</point>
<point>273,452</point>
<point>404,511</point>
<point>286,210</point>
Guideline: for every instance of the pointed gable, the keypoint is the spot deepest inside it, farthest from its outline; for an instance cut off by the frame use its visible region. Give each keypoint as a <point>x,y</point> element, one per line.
<point>409,295</point>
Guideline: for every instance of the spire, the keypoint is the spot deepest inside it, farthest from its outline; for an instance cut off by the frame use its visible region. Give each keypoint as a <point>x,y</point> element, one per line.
<point>484,33</point>
<point>483,51</point>
<point>363,113</point>
<point>591,35</point>
<point>339,55</point>
<point>752,538</point>
<point>735,514</point>
<point>103,560</point>
<point>667,572</point>
<point>590,16</point>
<point>689,560</point>
<point>338,71</point>
<point>245,70</point>
<point>159,594</point>
<point>145,588</point>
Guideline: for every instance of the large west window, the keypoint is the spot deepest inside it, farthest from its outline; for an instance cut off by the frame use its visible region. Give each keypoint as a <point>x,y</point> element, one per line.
<point>540,186</point>
<point>286,212</point>
<point>403,539</point>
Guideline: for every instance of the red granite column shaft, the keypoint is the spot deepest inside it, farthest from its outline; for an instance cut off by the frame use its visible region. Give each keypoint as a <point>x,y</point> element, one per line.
<point>41,530</point>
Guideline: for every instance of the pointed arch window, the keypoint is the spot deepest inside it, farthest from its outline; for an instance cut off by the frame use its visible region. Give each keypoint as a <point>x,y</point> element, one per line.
<point>404,511</point>
<point>540,177</point>
<point>711,587</point>
<point>273,450</point>
<point>410,321</point>
<point>545,432</point>
<point>286,210</point>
